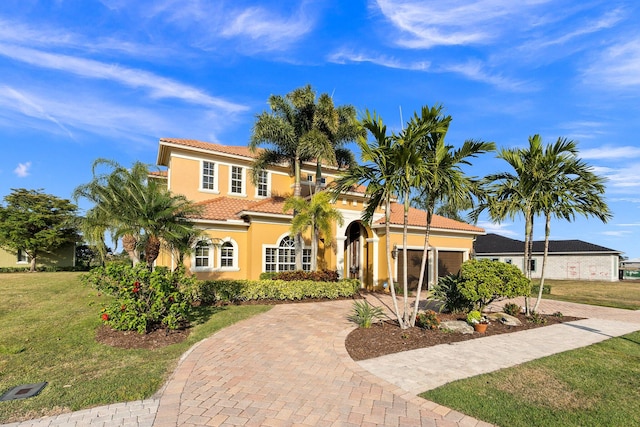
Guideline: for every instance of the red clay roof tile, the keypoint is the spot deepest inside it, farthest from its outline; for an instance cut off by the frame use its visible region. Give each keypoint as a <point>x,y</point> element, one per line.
<point>418,218</point>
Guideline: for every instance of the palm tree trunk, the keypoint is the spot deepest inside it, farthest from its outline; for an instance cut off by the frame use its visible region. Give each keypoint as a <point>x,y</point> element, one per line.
<point>129,243</point>
<point>392,284</point>
<point>405,271</point>
<point>547,232</point>
<point>151,250</point>
<point>297,191</point>
<point>528,246</point>
<point>423,267</point>
<point>314,247</point>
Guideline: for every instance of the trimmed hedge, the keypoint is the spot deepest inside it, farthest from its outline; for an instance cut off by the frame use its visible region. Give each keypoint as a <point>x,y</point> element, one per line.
<point>210,291</point>
<point>316,276</point>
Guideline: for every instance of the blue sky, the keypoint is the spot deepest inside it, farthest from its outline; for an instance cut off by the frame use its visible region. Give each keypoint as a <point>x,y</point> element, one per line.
<point>83,79</point>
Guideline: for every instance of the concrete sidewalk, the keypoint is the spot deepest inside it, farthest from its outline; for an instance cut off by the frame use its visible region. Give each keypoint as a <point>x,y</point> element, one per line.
<point>289,367</point>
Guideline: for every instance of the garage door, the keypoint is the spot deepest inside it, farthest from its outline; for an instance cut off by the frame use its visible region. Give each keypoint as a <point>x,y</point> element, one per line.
<point>449,262</point>
<point>413,266</point>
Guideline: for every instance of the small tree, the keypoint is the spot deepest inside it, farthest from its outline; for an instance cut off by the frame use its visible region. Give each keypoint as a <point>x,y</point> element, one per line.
<point>484,281</point>
<point>36,223</point>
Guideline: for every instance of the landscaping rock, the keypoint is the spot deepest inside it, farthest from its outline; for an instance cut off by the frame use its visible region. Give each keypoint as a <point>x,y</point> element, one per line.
<point>504,319</point>
<point>457,326</point>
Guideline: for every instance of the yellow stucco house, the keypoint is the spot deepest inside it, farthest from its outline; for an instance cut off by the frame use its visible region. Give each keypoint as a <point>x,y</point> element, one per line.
<point>248,232</point>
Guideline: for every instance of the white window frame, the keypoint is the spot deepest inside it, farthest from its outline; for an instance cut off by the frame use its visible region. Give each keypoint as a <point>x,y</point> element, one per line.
<point>215,177</point>
<point>241,179</point>
<point>266,184</point>
<point>209,257</point>
<point>280,256</point>
<point>22,257</point>
<point>234,259</point>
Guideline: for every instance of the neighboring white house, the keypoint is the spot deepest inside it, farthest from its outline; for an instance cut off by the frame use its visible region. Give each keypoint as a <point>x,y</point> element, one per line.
<point>630,269</point>
<point>568,259</point>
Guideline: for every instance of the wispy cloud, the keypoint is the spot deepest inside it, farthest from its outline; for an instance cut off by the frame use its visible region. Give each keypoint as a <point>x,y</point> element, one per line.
<point>620,180</point>
<point>477,71</point>
<point>617,66</point>
<point>457,22</point>
<point>158,86</point>
<point>345,56</point>
<point>607,152</point>
<point>267,29</point>
<point>617,233</point>
<point>501,229</point>
<point>30,107</point>
<point>22,170</point>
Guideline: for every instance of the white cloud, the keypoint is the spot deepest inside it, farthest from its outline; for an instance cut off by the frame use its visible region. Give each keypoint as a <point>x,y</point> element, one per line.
<point>158,87</point>
<point>476,71</point>
<point>620,180</point>
<point>610,152</point>
<point>618,233</point>
<point>22,170</point>
<point>344,56</point>
<point>617,66</point>
<point>456,22</point>
<point>501,229</point>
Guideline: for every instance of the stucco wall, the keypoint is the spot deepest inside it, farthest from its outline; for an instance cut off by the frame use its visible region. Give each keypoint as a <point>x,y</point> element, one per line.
<point>63,257</point>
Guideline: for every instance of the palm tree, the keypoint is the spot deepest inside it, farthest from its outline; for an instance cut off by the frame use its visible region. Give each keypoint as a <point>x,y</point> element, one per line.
<point>443,178</point>
<point>571,188</point>
<point>379,173</point>
<point>316,214</point>
<point>299,129</point>
<point>131,207</point>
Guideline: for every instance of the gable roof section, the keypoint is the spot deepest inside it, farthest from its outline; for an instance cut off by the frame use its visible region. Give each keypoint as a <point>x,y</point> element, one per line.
<point>418,218</point>
<point>201,146</point>
<point>232,209</point>
<point>495,244</point>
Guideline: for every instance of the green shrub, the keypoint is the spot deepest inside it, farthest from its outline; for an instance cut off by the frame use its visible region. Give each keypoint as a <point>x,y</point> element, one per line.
<point>512,309</point>
<point>144,299</point>
<point>484,281</point>
<point>268,275</point>
<point>244,290</point>
<point>299,275</point>
<point>535,288</point>
<point>474,317</point>
<point>363,314</point>
<point>446,290</point>
<point>537,318</point>
<point>428,320</point>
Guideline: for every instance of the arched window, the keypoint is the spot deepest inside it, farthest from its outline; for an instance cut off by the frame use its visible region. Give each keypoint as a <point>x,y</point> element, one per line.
<point>202,255</point>
<point>226,255</point>
<point>283,257</point>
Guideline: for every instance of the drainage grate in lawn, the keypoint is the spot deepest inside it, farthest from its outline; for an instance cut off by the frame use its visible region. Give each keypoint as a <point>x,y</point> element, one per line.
<point>22,391</point>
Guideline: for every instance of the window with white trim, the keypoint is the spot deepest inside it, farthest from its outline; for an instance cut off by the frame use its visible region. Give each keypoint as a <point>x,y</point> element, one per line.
<point>23,258</point>
<point>226,255</point>
<point>283,257</point>
<point>236,180</point>
<point>202,255</point>
<point>208,175</point>
<point>263,184</point>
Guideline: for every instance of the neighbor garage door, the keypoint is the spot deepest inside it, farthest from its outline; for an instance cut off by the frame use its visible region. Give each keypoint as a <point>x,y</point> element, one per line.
<point>449,262</point>
<point>413,269</point>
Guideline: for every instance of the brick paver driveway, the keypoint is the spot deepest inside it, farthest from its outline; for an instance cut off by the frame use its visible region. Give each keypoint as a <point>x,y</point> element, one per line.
<point>289,367</point>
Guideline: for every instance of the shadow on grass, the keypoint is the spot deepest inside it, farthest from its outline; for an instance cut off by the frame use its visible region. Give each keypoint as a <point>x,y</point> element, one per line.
<point>203,313</point>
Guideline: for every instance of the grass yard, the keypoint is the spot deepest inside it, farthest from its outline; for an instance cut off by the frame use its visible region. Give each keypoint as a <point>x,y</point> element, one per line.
<point>597,385</point>
<point>623,294</point>
<point>49,322</point>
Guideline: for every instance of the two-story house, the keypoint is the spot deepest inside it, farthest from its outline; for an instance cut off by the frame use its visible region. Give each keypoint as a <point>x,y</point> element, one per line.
<point>249,233</point>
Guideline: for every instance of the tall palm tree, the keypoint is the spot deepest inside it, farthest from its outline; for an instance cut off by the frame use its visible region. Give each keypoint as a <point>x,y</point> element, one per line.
<point>129,206</point>
<point>443,178</point>
<point>297,129</point>
<point>571,188</point>
<point>379,173</point>
<point>316,215</point>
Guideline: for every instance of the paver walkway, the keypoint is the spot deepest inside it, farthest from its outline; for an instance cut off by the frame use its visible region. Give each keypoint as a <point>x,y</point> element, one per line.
<point>289,367</point>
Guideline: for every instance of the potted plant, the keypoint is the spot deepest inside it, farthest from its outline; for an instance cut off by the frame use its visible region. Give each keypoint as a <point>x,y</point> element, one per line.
<point>478,321</point>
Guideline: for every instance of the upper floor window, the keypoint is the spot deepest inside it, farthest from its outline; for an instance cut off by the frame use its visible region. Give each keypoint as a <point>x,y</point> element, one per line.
<point>208,175</point>
<point>237,180</point>
<point>263,184</point>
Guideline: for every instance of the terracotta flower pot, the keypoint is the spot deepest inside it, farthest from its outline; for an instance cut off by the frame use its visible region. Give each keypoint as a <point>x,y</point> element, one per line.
<point>480,328</point>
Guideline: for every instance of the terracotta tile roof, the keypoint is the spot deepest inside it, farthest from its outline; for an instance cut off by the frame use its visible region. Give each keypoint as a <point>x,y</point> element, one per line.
<point>229,208</point>
<point>222,208</point>
<point>161,174</point>
<point>272,205</point>
<point>209,146</point>
<point>418,218</point>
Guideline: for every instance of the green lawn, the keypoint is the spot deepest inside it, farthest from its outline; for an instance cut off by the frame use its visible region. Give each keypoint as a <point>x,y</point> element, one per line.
<point>597,385</point>
<point>622,294</point>
<point>49,322</point>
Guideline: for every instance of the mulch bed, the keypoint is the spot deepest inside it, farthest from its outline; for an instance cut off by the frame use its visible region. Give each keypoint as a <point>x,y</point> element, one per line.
<point>387,338</point>
<point>131,339</point>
